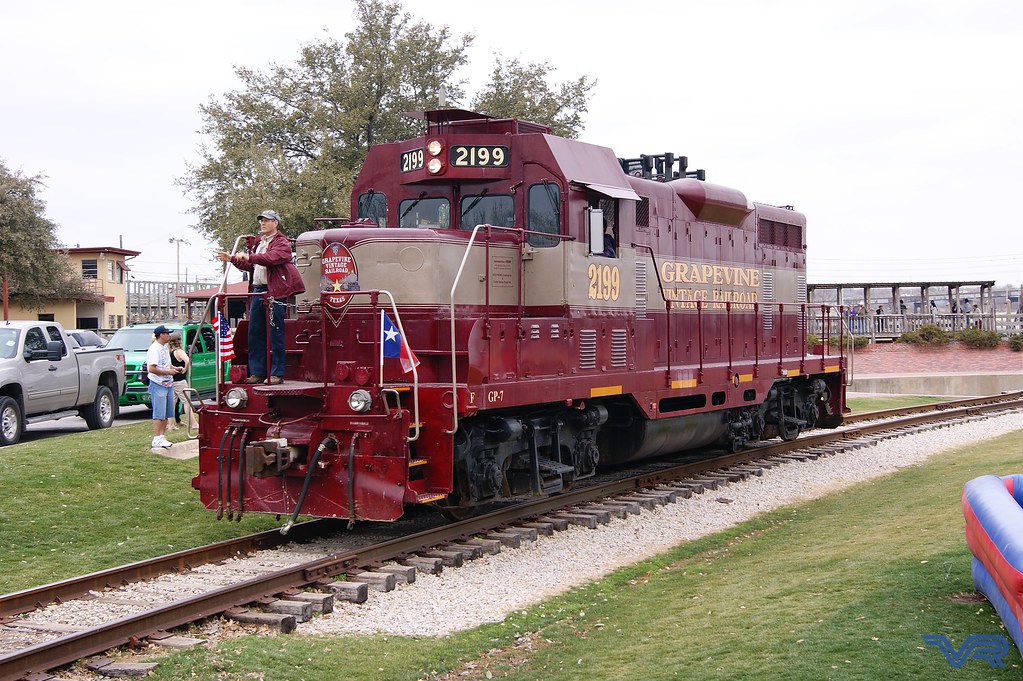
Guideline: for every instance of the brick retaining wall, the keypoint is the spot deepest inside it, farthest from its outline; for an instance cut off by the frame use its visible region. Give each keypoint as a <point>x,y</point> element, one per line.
<point>905,358</point>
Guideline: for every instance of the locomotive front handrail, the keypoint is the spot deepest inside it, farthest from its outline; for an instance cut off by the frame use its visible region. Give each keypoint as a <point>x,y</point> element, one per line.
<point>221,290</point>
<point>454,285</point>
<point>454,365</point>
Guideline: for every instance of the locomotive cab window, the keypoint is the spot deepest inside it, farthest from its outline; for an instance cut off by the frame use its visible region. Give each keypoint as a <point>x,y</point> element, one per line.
<point>487,210</point>
<point>544,213</point>
<point>425,212</point>
<point>373,205</point>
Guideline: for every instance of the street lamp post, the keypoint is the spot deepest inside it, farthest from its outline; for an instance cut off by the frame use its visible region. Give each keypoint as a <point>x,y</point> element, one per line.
<point>177,281</point>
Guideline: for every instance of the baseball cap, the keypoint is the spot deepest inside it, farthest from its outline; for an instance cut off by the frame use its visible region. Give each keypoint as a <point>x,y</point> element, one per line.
<point>160,329</point>
<point>271,214</point>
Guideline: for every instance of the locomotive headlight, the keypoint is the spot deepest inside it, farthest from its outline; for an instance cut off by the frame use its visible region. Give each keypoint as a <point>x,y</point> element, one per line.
<point>236,398</point>
<point>435,165</point>
<point>360,400</point>
<point>434,147</point>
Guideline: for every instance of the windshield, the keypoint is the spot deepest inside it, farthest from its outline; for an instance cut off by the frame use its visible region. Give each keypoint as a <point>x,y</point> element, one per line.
<point>487,210</point>
<point>133,340</point>
<point>422,212</point>
<point>8,343</point>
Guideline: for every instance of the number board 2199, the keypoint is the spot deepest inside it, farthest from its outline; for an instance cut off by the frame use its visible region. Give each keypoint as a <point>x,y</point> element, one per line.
<point>479,156</point>
<point>411,160</point>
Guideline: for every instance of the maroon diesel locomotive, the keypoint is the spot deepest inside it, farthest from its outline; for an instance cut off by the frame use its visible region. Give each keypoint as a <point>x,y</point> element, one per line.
<point>509,311</point>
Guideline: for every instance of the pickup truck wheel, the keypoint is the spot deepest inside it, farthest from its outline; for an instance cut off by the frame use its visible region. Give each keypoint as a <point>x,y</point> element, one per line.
<point>100,414</point>
<point>11,425</point>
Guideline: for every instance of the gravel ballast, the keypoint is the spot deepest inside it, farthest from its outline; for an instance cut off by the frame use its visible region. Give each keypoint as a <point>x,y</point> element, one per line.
<point>489,588</point>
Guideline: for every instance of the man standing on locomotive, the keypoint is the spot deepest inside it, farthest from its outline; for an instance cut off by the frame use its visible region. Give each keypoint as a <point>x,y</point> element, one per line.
<point>274,273</point>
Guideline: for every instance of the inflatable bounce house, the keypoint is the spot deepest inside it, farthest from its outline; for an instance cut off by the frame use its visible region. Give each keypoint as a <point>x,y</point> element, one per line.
<point>993,507</point>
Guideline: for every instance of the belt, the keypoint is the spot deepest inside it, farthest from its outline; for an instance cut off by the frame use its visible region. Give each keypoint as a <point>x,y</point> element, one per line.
<point>259,288</point>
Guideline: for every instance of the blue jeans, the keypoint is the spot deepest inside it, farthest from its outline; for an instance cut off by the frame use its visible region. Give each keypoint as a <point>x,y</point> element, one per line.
<point>161,398</point>
<point>257,337</point>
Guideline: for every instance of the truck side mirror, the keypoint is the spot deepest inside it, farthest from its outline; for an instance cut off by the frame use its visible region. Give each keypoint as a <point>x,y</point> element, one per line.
<point>54,350</point>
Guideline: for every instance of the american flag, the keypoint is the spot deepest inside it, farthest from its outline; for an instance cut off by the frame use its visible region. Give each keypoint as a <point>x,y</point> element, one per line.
<point>226,340</point>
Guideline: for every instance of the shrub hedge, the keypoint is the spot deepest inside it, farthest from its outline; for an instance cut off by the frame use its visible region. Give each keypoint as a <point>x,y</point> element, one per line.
<point>928,334</point>
<point>978,338</point>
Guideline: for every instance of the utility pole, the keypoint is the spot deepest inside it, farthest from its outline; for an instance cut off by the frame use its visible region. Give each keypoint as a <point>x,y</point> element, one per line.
<point>177,281</point>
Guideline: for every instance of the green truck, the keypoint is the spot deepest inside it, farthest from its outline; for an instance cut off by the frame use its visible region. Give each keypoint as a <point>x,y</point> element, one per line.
<point>136,339</point>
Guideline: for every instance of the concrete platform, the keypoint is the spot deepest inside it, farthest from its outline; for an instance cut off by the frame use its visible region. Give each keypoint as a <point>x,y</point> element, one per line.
<point>951,384</point>
<point>189,449</point>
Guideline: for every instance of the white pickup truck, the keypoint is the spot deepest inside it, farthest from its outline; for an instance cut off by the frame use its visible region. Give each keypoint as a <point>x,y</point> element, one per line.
<point>45,374</point>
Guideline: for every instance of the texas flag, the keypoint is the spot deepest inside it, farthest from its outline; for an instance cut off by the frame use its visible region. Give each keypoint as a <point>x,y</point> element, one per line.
<point>395,345</point>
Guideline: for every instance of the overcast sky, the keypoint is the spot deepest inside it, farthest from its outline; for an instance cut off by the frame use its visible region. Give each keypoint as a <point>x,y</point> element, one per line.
<point>897,127</point>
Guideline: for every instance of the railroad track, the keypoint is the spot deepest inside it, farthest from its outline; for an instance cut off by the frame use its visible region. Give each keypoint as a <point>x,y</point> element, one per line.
<point>150,612</point>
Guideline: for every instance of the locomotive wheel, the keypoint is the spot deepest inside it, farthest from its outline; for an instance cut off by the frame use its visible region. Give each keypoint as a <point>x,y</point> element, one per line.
<point>11,424</point>
<point>789,434</point>
<point>459,513</point>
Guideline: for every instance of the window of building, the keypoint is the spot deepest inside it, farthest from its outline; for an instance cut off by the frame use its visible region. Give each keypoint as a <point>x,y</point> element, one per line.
<point>89,269</point>
<point>110,270</point>
<point>544,213</point>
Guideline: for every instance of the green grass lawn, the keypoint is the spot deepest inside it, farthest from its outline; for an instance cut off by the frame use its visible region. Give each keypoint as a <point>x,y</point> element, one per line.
<point>859,405</point>
<point>839,588</point>
<point>79,503</point>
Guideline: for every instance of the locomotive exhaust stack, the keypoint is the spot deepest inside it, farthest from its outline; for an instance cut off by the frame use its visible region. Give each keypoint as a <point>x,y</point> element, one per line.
<point>507,312</point>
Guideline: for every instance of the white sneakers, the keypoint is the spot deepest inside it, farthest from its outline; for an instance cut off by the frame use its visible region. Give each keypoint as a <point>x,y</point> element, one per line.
<point>161,441</point>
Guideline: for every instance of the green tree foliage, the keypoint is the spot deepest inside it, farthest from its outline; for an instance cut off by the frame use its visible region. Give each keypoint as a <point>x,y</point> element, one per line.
<point>37,272</point>
<point>524,91</point>
<point>293,137</point>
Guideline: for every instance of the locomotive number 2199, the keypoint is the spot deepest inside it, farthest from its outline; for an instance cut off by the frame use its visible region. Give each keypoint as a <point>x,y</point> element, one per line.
<point>605,282</point>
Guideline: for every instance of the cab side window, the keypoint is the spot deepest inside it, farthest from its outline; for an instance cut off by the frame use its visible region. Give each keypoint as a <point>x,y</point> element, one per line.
<point>373,206</point>
<point>189,337</point>
<point>35,340</point>
<point>544,213</point>
<point>55,335</point>
<point>209,339</point>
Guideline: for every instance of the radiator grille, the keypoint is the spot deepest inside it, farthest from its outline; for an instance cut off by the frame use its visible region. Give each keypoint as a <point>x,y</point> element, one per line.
<point>641,293</point>
<point>619,348</point>
<point>768,310</point>
<point>588,349</point>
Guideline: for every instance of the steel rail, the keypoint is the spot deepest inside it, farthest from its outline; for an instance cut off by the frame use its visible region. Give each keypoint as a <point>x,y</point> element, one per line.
<point>935,407</point>
<point>37,597</point>
<point>61,651</point>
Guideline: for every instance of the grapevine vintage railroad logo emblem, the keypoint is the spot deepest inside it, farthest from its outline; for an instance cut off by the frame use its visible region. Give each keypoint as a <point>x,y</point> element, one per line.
<point>338,274</point>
